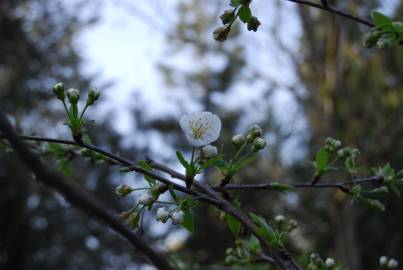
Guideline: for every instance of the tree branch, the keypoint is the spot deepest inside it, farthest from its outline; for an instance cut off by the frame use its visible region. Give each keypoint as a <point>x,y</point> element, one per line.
<point>329,8</point>
<point>343,186</point>
<point>78,196</point>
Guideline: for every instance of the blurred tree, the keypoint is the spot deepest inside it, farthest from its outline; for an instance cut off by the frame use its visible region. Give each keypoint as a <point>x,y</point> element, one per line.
<point>38,229</point>
<point>355,95</point>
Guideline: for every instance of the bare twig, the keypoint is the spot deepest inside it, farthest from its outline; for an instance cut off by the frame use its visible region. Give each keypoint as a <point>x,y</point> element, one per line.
<point>344,186</point>
<point>78,196</point>
<point>329,8</point>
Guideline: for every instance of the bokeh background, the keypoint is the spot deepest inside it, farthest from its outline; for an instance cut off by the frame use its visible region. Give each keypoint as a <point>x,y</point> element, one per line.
<point>303,76</point>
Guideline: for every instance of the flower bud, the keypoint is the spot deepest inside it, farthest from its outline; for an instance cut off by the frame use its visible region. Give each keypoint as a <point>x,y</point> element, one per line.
<point>393,264</point>
<point>73,95</point>
<point>255,131</point>
<point>158,189</point>
<point>238,139</point>
<point>279,218</point>
<point>383,260</point>
<point>58,90</point>
<point>177,217</point>
<point>209,151</point>
<point>146,198</point>
<point>371,38</point>
<point>329,262</point>
<point>253,24</point>
<point>162,214</point>
<point>93,95</point>
<point>221,33</point>
<point>227,17</point>
<point>259,144</point>
<point>292,224</point>
<point>123,190</point>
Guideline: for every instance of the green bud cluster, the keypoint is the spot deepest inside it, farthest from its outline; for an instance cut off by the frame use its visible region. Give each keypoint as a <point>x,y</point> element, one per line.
<point>241,9</point>
<point>331,145</point>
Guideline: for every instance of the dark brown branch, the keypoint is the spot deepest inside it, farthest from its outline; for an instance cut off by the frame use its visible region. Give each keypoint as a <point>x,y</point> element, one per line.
<point>339,185</point>
<point>280,256</point>
<point>78,196</point>
<point>329,8</point>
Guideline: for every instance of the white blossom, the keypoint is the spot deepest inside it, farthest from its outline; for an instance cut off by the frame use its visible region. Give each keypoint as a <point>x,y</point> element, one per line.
<point>146,198</point>
<point>279,218</point>
<point>209,151</point>
<point>329,262</point>
<point>393,263</point>
<point>162,214</point>
<point>177,217</point>
<point>201,128</point>
<point>383,260</point>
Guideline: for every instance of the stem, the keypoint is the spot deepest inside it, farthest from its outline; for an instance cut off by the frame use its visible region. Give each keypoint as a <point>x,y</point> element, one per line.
<point>67,111</point>
<point>82,113</point>
<point>164,202</point>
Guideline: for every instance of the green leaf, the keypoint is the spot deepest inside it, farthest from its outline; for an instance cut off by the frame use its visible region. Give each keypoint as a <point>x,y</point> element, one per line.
<point>264,230</point>
<point>173,194</point>
<point>235,3</point>
<point>217,162</point>
<point>394,188</point>
<point>233,224</point>
<point>182,160</point>
<point>245,14</point>
<point>380,19</point>
<point>144,164</point>
<point>188,222</point>
<point>375,204</point>
<point>283,188</point>
<point>245,162</point>
<point>321,161</point>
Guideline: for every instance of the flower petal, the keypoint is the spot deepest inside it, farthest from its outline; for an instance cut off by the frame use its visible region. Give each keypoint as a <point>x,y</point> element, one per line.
<point>201,128</point>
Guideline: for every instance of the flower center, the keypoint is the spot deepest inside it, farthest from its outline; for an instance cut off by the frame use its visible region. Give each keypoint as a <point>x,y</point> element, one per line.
<point>198,130</point>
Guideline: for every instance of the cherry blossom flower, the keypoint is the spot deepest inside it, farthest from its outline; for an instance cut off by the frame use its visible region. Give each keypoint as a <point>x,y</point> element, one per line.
<point>201,128</point>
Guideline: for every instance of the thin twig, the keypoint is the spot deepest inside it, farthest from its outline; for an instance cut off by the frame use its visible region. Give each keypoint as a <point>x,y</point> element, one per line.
<point>329,8</point>
<point>78,196</point>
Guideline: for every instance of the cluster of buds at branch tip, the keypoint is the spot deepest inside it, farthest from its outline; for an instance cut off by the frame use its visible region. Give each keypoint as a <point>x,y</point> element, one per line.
<point>254,132</point>
<point>73,95</point>
<point>331,145</point>
<point>58,90</point>
<point>387,263</point>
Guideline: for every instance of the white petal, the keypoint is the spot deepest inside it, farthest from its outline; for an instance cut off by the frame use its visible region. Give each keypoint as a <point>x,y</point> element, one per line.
<point>207,123</point>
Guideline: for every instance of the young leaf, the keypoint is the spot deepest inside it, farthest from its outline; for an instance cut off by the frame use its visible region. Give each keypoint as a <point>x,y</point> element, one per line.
<point>245,162</point>
<point>283,188</point>
<point>217,162</point>
<point>245,13</point>
<point>173,194</point>
<point>235,3</point>
<point>182,160</point>
<point>233,224</point>
<point>188,222</point>
<point>321,161</point>
<point>380,19</point>
<point>143,164</point>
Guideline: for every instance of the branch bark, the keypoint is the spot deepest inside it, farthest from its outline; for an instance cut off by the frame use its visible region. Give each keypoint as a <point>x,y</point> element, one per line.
<point>78,197</point>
